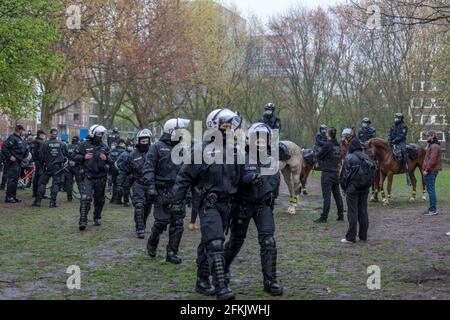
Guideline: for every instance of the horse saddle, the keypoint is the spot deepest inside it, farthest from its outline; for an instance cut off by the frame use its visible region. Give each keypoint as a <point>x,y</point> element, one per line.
<point>308,156</point>
<point>413,151</point>
<point>283,152</point>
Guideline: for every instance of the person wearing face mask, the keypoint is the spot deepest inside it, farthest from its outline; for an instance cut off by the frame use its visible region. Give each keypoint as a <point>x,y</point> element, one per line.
<point>397,139</point>
<point>159,174</point>
<point>128,181</point>
<point>14,152</point>
<point>35,150</point>
<point>366,132</point>
<point>216,182</point>
<point>132,165</point>
<point>270,118</point>
<point>72,171</point>
<point>93,157</point>
<point>52,157</point>
<point>255,200</point>
<point>115,154</point>
<point>321,138</point>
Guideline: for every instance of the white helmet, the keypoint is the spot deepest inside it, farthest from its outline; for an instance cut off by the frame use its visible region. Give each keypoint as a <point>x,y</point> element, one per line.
<point>260,130</point>
<point>220,116</point>
<point>144,133</point>
<point>177,123</point>
<point>97,129</point>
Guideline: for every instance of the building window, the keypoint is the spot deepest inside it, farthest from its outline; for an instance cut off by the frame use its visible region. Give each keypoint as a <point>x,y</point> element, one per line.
<point>427,119</point>
<point>439,134</point>
<point>76,117</point>
<point>427,103</point>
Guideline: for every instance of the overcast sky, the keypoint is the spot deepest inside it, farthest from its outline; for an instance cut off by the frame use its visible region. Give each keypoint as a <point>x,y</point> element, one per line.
<point>266,8</point>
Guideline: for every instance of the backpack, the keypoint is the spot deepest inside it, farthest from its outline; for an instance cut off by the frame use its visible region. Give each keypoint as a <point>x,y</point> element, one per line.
<point>364,174</point>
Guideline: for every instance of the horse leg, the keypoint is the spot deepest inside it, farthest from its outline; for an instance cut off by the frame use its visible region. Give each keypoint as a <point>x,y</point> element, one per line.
<point>414,185</point>
<point>389,187</point>
<point>424,189</point>
<point>381,185</point>
<point>375,187</point>
<point>287,178</point>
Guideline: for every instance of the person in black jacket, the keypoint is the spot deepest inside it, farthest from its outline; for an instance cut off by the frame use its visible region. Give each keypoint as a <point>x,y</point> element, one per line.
<point>93,157</point>
<point>72,171</point>
<point>330,163</point>
<point>321,138</point>
<point>114,155</point>
<point>114,137</point>
<point>160,173</point>
<point>356,196</point>
<point>132,165</point>
<point>35,151</point>
<point>397,138</point>
<point>366,132</point>
<point>270,118</point>
<point>216,182</point>
<point>52,156</point>
<point>14,151</point>
<point>254,200</point>
<point>125,186</point>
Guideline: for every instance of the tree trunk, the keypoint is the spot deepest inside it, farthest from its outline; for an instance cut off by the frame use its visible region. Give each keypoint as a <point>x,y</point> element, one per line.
<point>46,117</point>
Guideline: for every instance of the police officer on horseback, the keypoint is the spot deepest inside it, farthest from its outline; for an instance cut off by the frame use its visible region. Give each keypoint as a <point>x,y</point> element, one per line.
<point>321,138</point>
<point>397,139</point>
<point>270,118</point>
<point>366,132</point>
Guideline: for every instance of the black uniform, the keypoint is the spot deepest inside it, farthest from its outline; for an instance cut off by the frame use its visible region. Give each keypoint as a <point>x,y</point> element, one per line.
<point>366,133</point>
<point>71,172</point>
<point>52,156</point>
<point>113,138</point>
<point>254,199</point>
<point>128,182</point>
<point>321,140</point>
<point>36,146</point>
<point>216,184</point>
<point>160,174</point>
<point>115,154</point>
<point>131,165</point>
<point>17,147</point>
<point>271,120</point>
<point>95,173</point>
<point>397,139</point>
<point>329,161</point>
<point>3,171</point>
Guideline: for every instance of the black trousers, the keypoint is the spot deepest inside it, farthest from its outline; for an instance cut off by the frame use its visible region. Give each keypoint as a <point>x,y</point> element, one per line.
<point>4,175</point>
<point>265,225</point>
<point>13,174</point>
<point>69,174</point>
<point>357,214</point>
<point>330,185</point>
<point>142,205</point>
<point>57,180</point>
<point>37,175</point>
<point>94,189</point>
<point>194,209</point>
<point>172,217</point>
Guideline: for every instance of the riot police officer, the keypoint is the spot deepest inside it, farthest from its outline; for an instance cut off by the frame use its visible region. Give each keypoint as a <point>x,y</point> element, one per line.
<point>114,137</point>
<point>366,132</point>
<point>93,157</point>
<point>115,154</point>
<point>14,152</point>
<point>125,186</point>
<point>160,173</point>
<point>52,156</point>
<point>35,152</point>
<point>216,182</point>
<point>397,138</point>
<point>321,138</point>
<point>133,165</point>
<point>72,171</point>
<point>254,200</point>
<point>270,118</point>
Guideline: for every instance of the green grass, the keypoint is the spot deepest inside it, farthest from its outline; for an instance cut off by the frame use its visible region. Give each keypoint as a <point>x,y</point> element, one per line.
<point>38,244</point>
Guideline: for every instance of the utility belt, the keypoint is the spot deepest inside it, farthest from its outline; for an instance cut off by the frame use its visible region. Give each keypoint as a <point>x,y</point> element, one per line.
<point>163,185</point>
<point>204,197</point>
<point>268,201</point>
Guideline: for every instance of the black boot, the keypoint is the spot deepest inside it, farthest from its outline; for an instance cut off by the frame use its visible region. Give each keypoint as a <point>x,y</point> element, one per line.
<point>98,213</point>
<point>36,203</point>
<point>69,197</point>
<point>152,244</point>
<point>232,248</point>
<point>139,219</point>
<point>52,204</point>
<point>269,267</point>
<point>216,256</point>
<point>84,210</point>
<point>203,284</point>
<point>175,234</point>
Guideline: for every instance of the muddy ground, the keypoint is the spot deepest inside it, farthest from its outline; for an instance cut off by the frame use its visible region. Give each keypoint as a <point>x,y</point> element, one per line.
<point>413,253</point>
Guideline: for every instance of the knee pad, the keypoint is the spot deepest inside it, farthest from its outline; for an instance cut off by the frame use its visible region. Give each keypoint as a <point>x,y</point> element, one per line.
<point>215,246</point>
<point>86,198</point>
<point>268,242</point>
<point>139,205</point>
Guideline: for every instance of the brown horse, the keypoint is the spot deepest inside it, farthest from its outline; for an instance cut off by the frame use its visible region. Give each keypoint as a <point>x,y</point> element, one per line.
<point>389,166</point>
